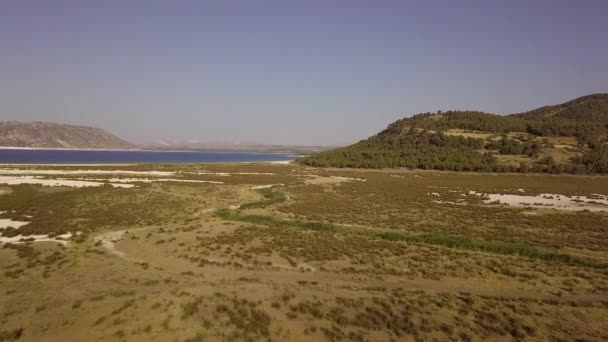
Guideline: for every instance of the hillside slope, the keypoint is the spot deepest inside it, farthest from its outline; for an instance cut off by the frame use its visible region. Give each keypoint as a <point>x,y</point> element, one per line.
<point>571,137</point>
<point>53,135</point>
<point>592,107</point>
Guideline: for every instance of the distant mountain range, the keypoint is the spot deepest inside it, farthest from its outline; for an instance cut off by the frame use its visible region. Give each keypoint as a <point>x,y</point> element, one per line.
<point>55,135</point>
<point>571,137</point>
<point>197,145</point>
<point>39,134</point>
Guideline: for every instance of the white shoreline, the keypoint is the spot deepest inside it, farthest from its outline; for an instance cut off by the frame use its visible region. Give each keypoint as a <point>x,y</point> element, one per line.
<point>139,150</point>
<point>64,149</point>
<point>283,162</point>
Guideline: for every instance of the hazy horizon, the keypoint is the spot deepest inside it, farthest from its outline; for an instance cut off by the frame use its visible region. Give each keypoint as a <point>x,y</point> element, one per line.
<point>291,73</point>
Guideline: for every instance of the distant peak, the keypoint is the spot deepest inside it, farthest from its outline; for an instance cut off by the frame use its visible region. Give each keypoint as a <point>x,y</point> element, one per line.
<point>42,134</point>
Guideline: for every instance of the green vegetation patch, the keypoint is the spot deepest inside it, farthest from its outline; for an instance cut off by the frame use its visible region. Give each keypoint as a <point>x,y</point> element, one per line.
<point>60,210</point>
<point>404,202</point>
<point>234,215</point>
<point>496,247</point>
<point>270,197</point>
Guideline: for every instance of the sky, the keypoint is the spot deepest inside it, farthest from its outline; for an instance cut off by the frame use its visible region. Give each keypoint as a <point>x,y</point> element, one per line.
<point>327,72</point>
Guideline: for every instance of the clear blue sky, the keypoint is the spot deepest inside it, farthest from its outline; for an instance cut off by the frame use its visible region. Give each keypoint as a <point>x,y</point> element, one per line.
<point>291,72</point>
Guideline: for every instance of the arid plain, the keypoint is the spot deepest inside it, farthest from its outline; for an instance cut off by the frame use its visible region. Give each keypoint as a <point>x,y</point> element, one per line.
<point>289,253</point>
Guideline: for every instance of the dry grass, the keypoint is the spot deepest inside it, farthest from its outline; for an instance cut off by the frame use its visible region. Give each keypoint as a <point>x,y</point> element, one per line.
<point>343,261</point>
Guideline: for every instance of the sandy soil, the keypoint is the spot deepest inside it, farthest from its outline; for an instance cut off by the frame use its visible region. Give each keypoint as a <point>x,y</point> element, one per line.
<point>18,239</point>
<point>16,180</point>
<point>175,277</point>
<point>139,250</point>
<point>5,223</point>
<point>84,172</point>
<point>150,180</point>
<point>265,186</point>
<point>110,239</point>
<point>548,201</point>
<point>226,174</point>
<point>331,179</point>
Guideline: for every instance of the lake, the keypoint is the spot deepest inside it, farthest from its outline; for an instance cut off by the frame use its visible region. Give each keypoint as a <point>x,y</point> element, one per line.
<point>40,156</point>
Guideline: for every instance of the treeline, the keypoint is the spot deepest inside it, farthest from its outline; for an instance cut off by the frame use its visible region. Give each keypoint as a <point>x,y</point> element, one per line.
<point>418,149</point>
<point>467,120</point>
<point>505,145</point>
<point>583,130</point>
<point>419,141</point>
<point>595,159</point>
<point>592,108</point>
<point>437,151</point>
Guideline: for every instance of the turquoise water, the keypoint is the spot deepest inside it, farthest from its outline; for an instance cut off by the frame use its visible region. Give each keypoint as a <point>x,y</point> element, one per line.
<point>18,156</point>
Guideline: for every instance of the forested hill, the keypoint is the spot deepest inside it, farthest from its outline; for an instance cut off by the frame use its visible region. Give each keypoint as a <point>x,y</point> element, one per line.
<point>571,137</point>
<point>592,107</point>
<point>53,135</point>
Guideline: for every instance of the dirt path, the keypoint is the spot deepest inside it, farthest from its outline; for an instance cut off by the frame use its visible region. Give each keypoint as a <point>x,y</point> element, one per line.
<point>281,274</point>
<point>108,241</point>
<point>286,275</point>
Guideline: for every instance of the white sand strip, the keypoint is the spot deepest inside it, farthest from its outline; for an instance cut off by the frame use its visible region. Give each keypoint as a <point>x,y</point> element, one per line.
<point>17,180</point>
<point>548,201</point>
<point>17,239</point>
<point>5,223</point>
<point>226,174</point>
<point>61,239</point>
<point>316,179</point>
<point>149,180</point>
<point>265,186</point>
<point>84,172</point>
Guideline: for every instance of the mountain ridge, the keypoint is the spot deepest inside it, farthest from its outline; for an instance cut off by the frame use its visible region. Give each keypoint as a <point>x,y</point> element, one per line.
<point>593,106</point>
<point>43,134</point>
